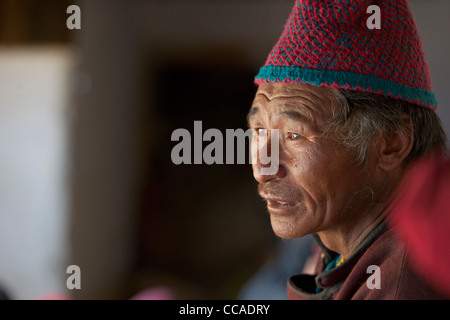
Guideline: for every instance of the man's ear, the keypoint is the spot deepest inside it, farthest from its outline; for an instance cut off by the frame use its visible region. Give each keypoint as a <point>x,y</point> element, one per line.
<point>395,147</point>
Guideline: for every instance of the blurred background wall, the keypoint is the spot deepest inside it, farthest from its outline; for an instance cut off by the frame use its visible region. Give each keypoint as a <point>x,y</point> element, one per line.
<point>93,145</point>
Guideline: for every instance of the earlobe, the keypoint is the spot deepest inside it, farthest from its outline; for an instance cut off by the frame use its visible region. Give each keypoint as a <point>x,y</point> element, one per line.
<point>394,147</point>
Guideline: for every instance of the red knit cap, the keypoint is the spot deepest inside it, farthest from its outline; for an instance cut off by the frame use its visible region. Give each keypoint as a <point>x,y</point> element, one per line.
<point>328,43</point>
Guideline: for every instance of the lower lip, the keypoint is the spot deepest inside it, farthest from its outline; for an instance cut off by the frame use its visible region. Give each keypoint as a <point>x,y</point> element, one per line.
<point>281,207</point>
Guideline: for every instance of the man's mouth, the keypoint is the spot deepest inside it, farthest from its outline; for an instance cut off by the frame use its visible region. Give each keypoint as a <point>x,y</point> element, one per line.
<point>279,205</point>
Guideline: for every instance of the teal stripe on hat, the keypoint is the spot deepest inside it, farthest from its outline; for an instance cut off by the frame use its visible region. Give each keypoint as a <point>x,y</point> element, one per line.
<point>347,80</point>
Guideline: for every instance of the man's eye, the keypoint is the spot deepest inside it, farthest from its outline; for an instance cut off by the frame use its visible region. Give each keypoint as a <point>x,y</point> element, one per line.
<point>294,136</point>
<point>261,132</point>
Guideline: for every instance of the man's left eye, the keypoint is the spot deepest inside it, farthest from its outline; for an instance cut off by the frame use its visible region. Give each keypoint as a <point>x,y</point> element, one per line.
<point>294,136</point>
<point>261,132</point>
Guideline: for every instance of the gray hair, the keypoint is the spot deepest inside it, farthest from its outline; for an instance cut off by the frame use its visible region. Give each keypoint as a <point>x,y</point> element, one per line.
<point>358,116</point>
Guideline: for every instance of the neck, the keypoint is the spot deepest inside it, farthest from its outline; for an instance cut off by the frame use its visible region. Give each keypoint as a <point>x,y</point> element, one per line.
<point>345,240</point>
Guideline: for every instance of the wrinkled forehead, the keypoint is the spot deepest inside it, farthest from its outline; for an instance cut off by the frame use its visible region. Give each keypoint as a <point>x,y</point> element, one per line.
<point>313,102</point>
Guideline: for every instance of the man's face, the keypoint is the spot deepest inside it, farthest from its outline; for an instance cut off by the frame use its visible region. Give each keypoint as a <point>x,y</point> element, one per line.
<point>318,186</point>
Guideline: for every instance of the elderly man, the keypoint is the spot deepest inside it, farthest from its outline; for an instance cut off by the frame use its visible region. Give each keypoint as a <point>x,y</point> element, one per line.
<point>352,107</point>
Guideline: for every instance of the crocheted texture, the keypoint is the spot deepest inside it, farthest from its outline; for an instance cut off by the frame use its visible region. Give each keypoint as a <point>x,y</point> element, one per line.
<point>328,43</point>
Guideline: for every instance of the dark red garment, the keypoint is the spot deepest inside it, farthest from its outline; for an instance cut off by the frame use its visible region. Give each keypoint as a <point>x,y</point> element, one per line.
<point>421,218</point>
<point>398,280</point>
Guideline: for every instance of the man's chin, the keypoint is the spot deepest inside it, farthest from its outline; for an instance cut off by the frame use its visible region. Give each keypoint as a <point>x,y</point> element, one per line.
<point>287,227</point>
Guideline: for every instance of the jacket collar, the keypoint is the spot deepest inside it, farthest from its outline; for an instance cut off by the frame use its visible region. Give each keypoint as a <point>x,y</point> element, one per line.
<point>328,282</point>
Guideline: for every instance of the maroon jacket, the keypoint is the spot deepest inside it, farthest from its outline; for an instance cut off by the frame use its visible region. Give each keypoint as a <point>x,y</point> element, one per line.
<point>422,217</point>
<point>398,281</point>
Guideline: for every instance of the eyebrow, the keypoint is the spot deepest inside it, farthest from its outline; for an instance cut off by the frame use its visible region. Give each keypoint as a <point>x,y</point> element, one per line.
<point>294,115</point>
<point>290,114</point>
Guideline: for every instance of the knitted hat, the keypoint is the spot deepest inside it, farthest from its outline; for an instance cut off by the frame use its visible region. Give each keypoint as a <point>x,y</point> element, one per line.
<point>329,43</point>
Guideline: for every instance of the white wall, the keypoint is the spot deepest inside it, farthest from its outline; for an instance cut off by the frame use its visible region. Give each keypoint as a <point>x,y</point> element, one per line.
<point>33,170</point>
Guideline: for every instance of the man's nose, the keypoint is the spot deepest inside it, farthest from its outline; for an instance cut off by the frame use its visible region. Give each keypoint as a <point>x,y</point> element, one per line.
<point>267,154</point>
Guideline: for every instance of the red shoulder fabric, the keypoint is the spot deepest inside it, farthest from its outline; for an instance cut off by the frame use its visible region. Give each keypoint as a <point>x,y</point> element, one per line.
<point>421,218</point>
